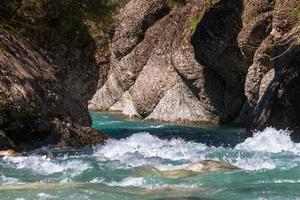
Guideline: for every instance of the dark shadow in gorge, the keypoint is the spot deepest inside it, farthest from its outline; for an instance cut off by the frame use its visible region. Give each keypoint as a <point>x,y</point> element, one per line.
<point>216,48</point>
<point>58,31</point>
<point>59,28</point>
<point>280,105</point>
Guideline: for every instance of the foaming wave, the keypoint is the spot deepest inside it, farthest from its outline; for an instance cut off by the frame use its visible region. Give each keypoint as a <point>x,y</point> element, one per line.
<point>97,180</point>
<point>46,196</point>
<point>8,180</point>
<point>270,140</point>
<point>254,162</point>
<point>45,166</point>
<point>129,181</point>
<point>144,149</point>
<point>143,183</point>
<point>259,152</point>
<point>157,126</point>
<point>109,122</point>
<point>287,181</point>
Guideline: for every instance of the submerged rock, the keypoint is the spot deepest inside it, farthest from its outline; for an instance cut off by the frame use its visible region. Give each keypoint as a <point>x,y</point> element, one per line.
<point>194,169</point>
<point>199,167</point>
<point>9,153</point>
<point>210,165</point>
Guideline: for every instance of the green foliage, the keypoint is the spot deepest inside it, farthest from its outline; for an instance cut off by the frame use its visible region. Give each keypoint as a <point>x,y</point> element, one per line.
<point>175,3</point>
<point>296,30</point>
<point>32,5</point>
<point>63,24</point>
<point>99,10</point>
<point>195,21</point>
<point>296,12</point>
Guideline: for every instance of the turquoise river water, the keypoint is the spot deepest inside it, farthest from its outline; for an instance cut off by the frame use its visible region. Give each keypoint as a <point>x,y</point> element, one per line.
<point>130,165</point>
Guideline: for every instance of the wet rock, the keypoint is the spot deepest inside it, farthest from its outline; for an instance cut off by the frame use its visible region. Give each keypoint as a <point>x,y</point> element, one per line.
<point>9,153</point>
<point>274,97</point>
<point>71,135</point>
<point>5,142</point>
<point>194,169</point>
<point>210,165</point>
<point>279,106</point>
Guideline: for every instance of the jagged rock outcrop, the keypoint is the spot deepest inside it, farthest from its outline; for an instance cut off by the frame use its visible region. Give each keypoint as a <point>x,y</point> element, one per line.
<point>203,61</point>
<point>275,63</point>
<point>31,96</point>
<point>43,96</point>
<point>216,61</point>
<point>157,67</point>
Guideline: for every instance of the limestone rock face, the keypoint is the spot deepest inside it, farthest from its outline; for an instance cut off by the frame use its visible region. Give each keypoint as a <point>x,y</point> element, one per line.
<point>31,95</point>
<point>280,104</point>
<point>125,104</point>
<point>179,105</point>
<point>29,83</point>
<point>157,64</point>
<point>201,61</point>
<point>265,82</point>
<point>216,61</point>
<point>274,70</point>
<point>53,55</point>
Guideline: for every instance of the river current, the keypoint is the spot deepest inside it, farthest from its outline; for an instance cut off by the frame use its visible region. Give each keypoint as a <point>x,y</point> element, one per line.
<point>130,165</point>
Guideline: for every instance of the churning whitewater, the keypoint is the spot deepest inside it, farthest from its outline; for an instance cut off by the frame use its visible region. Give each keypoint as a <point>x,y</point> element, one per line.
<point>133,167</point>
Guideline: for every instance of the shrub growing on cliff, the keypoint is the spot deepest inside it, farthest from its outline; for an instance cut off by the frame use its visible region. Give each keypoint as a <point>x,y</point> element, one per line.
<point>175,3</point>
<point>196,19</point>
<point>296,31</point>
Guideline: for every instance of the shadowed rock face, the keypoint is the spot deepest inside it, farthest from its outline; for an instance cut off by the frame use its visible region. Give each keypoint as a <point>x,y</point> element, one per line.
<point>200,61</point>
<point>41,95</point>
<point>31,96</point>
<point>216,48</point>
<point>272,80</point>
<point>161,74</point>
<point>279,106</point>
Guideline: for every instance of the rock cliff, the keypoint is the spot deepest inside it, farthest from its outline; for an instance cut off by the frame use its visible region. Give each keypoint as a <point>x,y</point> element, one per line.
<point>201,61</point>
<point>48,71</point>
<point>217,61</point>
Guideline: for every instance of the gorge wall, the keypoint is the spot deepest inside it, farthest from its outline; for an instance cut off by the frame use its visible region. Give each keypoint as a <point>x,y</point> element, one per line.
<point>200,61</point>
<point>49,69</point>
<point>217,61</point>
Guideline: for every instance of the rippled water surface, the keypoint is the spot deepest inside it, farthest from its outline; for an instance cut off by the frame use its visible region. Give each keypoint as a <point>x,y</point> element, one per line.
<point>132,164</point>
